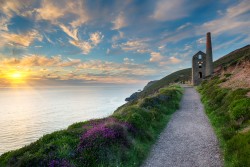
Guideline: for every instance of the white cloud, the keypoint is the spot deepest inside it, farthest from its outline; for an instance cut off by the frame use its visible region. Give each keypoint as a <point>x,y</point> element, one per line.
<point>83,45</point>
<point>72,32</point>
<point>119,22</point>
<point>20,39</point>
<point>174,60</point>
<point>187,47</point>
<point>170,10</point>
<point>201,41</point>
<point>86,46</point>
<point>233,21</point>
<point>70,62</point>
<point>11,7</point>
<point>128,61</point>
<point>139,46</point>
<point>50,11</point>
<point>73,12</point>
<point>118,37</point>
<point>39,60</point>
<point>96,38</point>
<point>184,26</point>
<point>155,57</point>
<point>4,24</point>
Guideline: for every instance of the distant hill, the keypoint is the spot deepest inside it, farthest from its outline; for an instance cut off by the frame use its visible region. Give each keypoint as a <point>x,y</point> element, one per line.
<point>184,75</point>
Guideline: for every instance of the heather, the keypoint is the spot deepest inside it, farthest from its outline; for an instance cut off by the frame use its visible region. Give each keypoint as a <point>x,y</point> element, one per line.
<point>229,112</point>
<point>122,139</point>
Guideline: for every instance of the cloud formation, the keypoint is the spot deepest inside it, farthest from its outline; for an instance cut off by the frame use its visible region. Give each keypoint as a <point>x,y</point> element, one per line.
<point>119,22</point>
<point>20,39</point>
<point>167,10</point>
<point>39,61</point>
<point>58,11</point>
<point>86,46</point>
<point>156,57</point>
<point>139,46</point>
<point>96,38</point>
<point>231,21</point>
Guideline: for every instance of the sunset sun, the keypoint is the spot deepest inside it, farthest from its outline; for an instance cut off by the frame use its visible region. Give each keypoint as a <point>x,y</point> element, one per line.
<point>16,77</point>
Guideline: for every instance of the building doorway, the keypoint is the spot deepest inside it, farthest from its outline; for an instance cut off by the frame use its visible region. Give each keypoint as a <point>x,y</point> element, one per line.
<point>200,74</point>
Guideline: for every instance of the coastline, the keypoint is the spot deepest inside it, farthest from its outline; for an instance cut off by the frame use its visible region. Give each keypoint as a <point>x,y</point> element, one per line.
<point>127,128</point>
<point>30,114</point>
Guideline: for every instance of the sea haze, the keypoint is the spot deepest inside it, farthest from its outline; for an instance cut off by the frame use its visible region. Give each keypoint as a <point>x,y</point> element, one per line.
<point>27,114</point>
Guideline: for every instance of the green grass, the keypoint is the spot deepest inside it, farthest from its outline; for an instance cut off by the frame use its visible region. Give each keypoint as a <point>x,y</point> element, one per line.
<point>229,113</point>
<point>123,139</point>
<point>185,74</point>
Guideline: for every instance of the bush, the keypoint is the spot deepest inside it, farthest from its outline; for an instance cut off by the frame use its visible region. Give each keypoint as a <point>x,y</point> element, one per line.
<point>240,109</point>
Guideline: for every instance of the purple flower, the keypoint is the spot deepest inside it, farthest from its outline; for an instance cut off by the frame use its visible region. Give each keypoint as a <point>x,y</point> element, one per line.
<point>59,163</point>
<point>104,132</point>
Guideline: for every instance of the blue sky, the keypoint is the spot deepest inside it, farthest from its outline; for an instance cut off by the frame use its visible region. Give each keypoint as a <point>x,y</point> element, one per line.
<point>114,41</point>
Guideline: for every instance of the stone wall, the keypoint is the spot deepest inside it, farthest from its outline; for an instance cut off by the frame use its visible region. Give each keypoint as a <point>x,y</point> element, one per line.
<point>199,67</point>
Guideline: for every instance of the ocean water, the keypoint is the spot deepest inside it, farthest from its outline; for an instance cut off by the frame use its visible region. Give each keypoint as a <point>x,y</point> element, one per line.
<point>26,114</point>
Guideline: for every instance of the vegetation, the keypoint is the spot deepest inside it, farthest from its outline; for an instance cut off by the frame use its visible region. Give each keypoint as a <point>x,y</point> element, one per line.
<point>123,139</point>
<point>232,57</point>
<point>229,113</point>
<point>185,74</point>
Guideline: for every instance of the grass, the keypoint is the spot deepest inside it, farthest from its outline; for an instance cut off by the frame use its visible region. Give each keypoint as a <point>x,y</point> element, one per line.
<point>185,74</point>
<point>229,113</point>
<point>123,139</point>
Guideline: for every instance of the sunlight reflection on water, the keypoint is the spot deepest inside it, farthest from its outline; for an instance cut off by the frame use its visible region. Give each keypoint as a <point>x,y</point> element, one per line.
<point>27,114</point>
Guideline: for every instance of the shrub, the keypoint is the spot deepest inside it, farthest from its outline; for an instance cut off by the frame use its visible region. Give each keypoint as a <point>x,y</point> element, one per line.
<point>240,109</point>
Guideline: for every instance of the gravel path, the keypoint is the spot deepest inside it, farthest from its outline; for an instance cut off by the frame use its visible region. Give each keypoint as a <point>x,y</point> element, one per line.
<point>188,140</point>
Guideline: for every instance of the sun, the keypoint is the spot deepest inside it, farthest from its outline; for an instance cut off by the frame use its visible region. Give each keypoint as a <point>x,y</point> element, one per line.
<point>16,77</point>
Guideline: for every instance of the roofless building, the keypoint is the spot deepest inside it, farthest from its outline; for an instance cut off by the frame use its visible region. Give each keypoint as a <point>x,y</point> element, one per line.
<point>202,63</point>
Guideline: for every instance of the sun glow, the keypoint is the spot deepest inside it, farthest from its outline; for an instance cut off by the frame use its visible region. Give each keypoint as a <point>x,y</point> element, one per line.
<point>16,77</point>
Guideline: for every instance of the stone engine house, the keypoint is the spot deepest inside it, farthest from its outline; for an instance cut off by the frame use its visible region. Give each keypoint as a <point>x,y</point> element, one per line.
<point>202,63</point>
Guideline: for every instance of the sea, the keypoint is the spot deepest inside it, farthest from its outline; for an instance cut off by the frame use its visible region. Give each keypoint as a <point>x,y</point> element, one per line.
<point>26,114</point>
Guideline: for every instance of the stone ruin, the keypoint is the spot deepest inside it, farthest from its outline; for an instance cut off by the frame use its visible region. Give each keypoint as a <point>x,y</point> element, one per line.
<point>202,63</point>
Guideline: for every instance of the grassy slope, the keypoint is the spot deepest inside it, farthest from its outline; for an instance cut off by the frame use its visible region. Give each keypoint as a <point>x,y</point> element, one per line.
<point>123,139</point>
<point>229,112</point>
<point>185,74</point>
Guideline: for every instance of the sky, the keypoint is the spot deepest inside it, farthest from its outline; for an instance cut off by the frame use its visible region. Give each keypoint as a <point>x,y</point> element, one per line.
<point>77,42</point>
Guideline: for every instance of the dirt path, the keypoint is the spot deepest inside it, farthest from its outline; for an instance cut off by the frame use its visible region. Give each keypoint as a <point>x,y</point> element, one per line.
<point>188,140</point>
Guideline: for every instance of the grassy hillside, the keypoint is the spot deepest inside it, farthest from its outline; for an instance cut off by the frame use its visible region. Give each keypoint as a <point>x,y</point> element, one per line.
<point>122,139</point>
<point>228,106</point>
<point>185,74</point>
<point>229,113</point>
<point>232,57</point>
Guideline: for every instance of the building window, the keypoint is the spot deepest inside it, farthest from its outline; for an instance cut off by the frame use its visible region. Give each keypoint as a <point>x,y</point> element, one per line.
<point>200,74</point>
<point>199,57</point>
<point>200,65</point>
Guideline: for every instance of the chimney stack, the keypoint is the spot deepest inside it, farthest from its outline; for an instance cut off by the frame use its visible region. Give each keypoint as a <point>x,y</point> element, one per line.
<point>209,55</point>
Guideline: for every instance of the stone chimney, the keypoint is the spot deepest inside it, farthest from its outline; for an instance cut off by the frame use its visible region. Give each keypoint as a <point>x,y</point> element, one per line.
<point>209,56</point>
